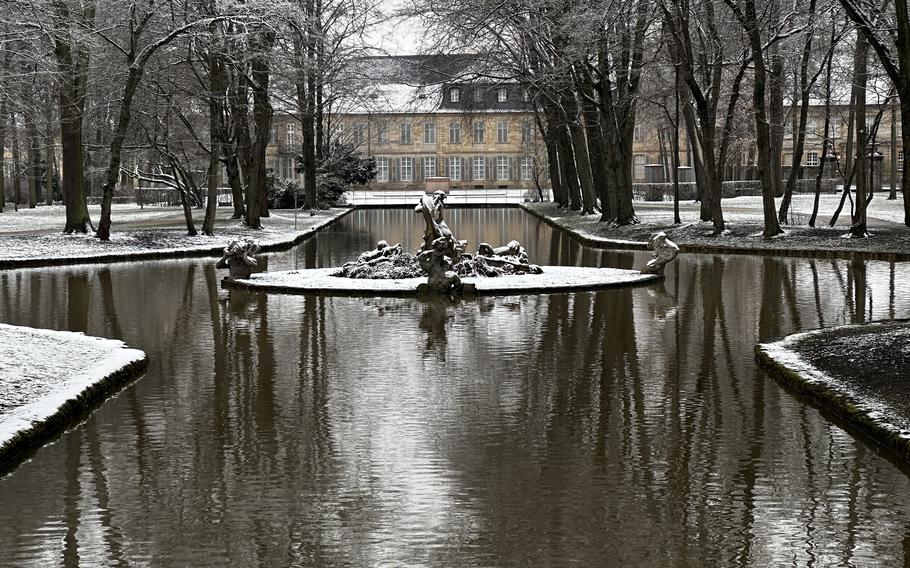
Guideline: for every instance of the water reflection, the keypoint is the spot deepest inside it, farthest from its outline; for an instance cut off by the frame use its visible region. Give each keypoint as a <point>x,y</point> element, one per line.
<point>618,427</point>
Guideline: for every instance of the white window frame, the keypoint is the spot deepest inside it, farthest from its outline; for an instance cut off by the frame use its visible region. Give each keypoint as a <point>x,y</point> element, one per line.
<point>502,132</point>
<point>455,132</point>
<point>900,160</point>
<point>406,168</point>
<point>527,168</point>
<point>502,95</point>
<point>478,96</point>
<point>290,134</point>
<point>382,133</point>
<point>454,95</point>
<point>526,131</point>
<point>453,168</point>
<point>382,168</point>
<point>478,127</point>
<point>429,167</point>
<point>404,135</point>
<point>502,168</point>
<point>812,159</point>
<point>429,132</point>
<point>479,168</point>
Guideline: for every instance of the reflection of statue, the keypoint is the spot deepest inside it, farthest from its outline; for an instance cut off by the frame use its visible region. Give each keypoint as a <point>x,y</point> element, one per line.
<point>431,207</point>
<point>238,258</point>
<point>438,265</point>
<point>664,249</point>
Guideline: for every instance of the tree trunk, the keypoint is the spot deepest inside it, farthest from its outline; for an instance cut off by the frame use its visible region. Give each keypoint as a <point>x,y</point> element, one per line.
<point>134,76</point>
<point>72,64</point>
<point>34,162</point>
<point>860,78</point>
<point>262,121</point>
<point>582,162</point>
<point>567,167</point>
<point>892,193</point>
<point>50,160</point>
<point>17,162</point>
<point>827,143</point>
<point>3,124</point>
<point>217,90</point>
<point>762,128</point>
<point>776,106</point>
<point>597,159</point>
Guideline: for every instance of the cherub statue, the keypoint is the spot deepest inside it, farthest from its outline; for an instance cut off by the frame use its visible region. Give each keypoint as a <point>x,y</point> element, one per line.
<point>664,249</point>
<point>238,258</point>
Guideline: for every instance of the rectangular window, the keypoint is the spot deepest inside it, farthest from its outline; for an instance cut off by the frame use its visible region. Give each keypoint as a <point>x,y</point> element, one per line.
<point>454,95</point>
<point>406,166</point>
<point>291,134</point>
<point>382,134</point>
<point>639,133</point>
<point>382,168</point>
<point>455,132</point>
<point>526,168</point>
<point>639,161</point>
<point>358,135</point>
<point>900,161</point>
<point>812,159</point>
<point>478,131</point>
<point>405,137</point>
<point>454,167</point>
<point>286,167</point>
<point>526,132</point>
<point>502,168</point>
<point>502,95</point>
<point>429,167</point>
<point>525,95</point>
<point>502,132</point>
<point>429,132</point>
<point>478,96</point>
<point>480,168</point>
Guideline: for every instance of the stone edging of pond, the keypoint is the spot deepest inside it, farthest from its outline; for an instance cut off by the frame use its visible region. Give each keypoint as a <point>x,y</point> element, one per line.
<point>618,244</point>
<point>168,253</point>
<point>55,400</point>
<point>884,423</point>
<point>554,279</point>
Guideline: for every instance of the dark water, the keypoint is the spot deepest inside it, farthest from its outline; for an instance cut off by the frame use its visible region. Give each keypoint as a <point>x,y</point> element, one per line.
<point>618,428</point>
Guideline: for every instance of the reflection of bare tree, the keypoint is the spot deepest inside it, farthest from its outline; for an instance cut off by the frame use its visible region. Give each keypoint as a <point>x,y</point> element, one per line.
<point>71,497</point>
<point>109,307</point>
<point>77,302</point>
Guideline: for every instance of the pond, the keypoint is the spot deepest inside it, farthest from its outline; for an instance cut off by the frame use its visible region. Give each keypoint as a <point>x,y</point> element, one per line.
<point>621,427</point>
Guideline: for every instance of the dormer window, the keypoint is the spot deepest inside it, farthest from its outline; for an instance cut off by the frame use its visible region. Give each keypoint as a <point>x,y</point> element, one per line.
<point>525,95</point>
<point>478,96</point>
<point>502,95</point>
<point>455,95</point>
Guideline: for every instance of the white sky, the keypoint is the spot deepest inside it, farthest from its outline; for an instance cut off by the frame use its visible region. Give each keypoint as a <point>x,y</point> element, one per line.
<point>397,36</point>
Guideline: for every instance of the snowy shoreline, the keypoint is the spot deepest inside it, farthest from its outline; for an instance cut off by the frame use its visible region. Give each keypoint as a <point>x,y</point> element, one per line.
<point>879,413</point>
<point>891,243</point>
<point>49,380</point>
<point>23,250</point>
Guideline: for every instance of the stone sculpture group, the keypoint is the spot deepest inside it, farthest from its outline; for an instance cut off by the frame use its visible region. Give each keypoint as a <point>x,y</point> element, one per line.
<point>442,258</point>
<point>238,258</point>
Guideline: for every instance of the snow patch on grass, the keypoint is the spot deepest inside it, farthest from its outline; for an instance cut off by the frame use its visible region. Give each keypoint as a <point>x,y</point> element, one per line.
<point>43,370</point>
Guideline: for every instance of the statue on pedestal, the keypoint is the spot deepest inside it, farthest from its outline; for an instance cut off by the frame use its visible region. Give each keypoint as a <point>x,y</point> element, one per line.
<point>238,258</point>
<point>664,249</point>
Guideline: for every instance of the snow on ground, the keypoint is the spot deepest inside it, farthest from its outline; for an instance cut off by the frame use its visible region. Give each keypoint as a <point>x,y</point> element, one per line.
<point>857,371</point>
<point>556,278</point>
<point>53,217</point>
<point>279,230</point>
<point>42,370</point>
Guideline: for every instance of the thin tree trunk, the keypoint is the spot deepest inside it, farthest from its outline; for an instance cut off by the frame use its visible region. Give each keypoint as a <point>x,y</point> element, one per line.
<point>34,161</point>
<point>827,143</point>
<point>860,78</point>
<point>262,120</point>
<point>892,194</point>
<point>17,162</point>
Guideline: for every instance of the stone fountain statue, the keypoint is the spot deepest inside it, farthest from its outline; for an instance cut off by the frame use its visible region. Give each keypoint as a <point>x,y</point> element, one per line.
<point>441,258</point>
<point>238,258</point>
<point>664,249</point>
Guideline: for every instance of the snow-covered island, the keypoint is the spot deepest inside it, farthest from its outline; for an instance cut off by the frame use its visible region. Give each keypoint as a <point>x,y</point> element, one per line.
<point>858,372</point>
<point>50,379</point>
